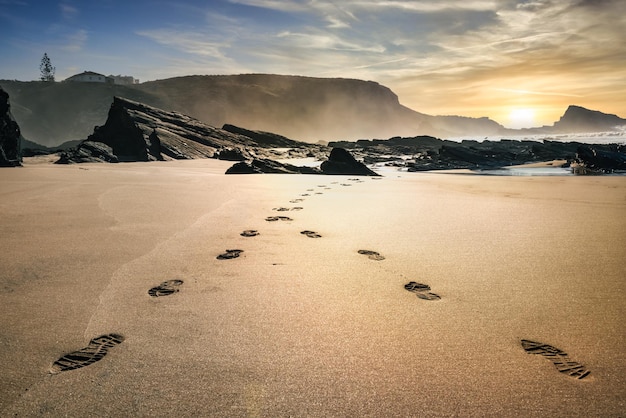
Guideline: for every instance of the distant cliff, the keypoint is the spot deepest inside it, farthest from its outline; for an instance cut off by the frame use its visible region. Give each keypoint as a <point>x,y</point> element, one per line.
<point>579,119</point>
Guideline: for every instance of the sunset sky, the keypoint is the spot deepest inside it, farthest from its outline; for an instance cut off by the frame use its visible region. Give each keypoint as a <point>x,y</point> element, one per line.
<point>520,63</point>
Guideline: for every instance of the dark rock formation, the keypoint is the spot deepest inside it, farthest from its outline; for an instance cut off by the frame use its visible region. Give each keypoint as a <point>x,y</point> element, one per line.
<point>233,154</point>
<point>601,159</point>
<point>342,162</point>
<point>258,166</point>
<point>263,139</point>
<point>138,132</point>
<point>88,152</point>
<point>10,136</point>
<point>428,153</point>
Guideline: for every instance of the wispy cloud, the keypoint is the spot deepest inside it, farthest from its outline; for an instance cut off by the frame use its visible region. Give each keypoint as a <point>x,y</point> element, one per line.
<point>195,43</point>
<point>76,40</point>
<point>68,11</point>
<point>537,93</point>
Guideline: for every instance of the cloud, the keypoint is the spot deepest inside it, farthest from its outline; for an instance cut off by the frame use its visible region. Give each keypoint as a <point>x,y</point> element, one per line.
<point>76,40</point>
<point>68,11</point>
<point>195,43</point>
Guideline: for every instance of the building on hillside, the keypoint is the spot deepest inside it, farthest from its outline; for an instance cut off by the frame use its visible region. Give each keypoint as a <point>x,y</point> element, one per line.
<point>124,79</point>
<point>90,77</point>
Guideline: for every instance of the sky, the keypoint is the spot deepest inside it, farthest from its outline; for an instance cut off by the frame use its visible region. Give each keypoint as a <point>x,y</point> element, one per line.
<point>521,63</point>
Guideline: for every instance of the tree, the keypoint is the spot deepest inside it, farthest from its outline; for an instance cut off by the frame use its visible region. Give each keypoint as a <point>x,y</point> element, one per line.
<point>47,70</point>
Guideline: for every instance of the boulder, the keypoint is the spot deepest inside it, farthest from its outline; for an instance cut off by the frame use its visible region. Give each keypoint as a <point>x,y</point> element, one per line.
<point>233,154</point>
<point>263,165</point>
<point>341,162</point>
<point>10,136</point>
<point>601,159</point>
<point>88,152</point>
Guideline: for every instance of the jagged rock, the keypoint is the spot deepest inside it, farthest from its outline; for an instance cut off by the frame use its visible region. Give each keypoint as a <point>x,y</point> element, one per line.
<point>258,166</point>
<point>233,154</point>
<point>10,136</point>
<point>88,152</point>
<point>263,139</point>
<point>137,132</point>
<point>597,159</point>
<point>341,161</point>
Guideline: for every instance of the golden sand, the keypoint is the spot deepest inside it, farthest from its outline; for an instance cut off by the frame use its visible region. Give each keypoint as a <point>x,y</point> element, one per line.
<point>301,325</point>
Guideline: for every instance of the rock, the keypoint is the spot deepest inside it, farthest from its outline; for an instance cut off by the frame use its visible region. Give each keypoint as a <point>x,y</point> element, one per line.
<point>138,132</point>
<point>263,139</point>
<point>601,159</point>
<point>10,136</point>
<point>88,152</point>
<point>342,162</point>
<point>233,154</point>
<point>261,165</point>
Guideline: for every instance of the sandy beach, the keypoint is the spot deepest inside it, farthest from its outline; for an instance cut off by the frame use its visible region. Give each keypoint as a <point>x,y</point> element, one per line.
<point>303,324</point>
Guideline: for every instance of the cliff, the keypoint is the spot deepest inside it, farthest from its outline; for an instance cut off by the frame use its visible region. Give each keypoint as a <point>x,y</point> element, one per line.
<point>10,136</point>
<point>579,119</point>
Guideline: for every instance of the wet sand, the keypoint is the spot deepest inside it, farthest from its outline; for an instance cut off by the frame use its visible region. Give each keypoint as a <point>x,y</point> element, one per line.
<point>300,323</point>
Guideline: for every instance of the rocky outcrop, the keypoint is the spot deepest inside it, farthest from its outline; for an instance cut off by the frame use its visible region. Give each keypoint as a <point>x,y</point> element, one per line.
<point>259,166</point>
<point>88,152</point>
<point>428,153</point>
<point>138,132</point>
<point>10,136</point>
<point>342,162</point>
<point>601,159</point>
<point>263,139</point>
<point>233,154</point>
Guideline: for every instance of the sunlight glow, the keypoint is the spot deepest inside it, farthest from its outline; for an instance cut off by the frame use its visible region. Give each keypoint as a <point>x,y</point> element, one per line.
<point>521,118</point>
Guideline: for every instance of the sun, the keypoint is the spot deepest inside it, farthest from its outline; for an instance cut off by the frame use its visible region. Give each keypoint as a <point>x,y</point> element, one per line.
<point>522,118</point>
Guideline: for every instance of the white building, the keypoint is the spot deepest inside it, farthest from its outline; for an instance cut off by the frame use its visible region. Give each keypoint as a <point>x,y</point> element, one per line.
<point>90,77</point>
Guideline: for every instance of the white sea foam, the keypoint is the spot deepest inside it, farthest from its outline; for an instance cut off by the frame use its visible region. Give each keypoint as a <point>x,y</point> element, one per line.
<point>616,137</point>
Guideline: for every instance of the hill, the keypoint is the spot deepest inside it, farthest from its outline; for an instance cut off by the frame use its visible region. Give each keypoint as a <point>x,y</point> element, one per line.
<point>302,108</point>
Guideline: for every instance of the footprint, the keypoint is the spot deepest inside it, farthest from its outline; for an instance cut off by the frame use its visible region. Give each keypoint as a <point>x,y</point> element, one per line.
<point>305,194</point>
<point>229,254</point>
<point>421,290</point>
<point>311,234</point>
<point>372,255</point>
<point>345,184</point>
<point>319,193</point>
<point>296,201</point>
<point>297,208</point>
<point>249,233</point>
<point>166,288</point>
<point>557,357</point>
<point>95,351</point>
<point>281,209</point>
<point>278,218</point>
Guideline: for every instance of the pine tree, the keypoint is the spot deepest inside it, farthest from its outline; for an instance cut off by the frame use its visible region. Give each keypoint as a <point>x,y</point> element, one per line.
<point>47,70</point>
